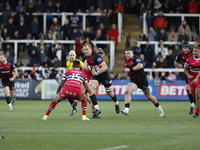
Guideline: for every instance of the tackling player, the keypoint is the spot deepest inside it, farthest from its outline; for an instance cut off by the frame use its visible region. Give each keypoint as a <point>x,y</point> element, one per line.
<point>134,67</point>
<point>8,72</point>
<point>69,66</point>
<point>71,87</point>
<point>102,75</point>
<point>179,63</point>
<point>192,71</point>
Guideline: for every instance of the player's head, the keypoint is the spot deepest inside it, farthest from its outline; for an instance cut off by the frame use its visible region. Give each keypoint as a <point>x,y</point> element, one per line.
<point>87,49</point>
<point>2,57</point>
<point>76,64</point>
<point>186,47</point>
<point>196,52</point>
<point>100,52</point>
<point>72,55</point>
<point>129,53</point>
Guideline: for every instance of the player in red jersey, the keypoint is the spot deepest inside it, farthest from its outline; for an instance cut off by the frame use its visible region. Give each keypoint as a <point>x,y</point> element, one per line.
<point>133,65</point>
<point>179,63</point>
<point>8,72</point>
<point>100,75</point>
<point>192,71</point>
<point>71,87</point>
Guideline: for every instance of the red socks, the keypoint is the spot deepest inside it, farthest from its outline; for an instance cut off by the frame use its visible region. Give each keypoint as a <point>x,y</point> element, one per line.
<point>197,110</point>
<point>51,107</point>
<point>84,107</point>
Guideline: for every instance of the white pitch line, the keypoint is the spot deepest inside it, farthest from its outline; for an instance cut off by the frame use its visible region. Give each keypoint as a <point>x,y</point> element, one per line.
<point>116,147</point>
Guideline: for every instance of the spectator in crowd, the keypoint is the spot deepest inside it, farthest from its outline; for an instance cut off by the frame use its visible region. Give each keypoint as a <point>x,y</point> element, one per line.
<point>60,54</point>
<point>23,29</point>
<point>103,30</point>
<point>183,37</point>
<point>149,77</point>
<point>19,14</point>
<point>46,74</point>
<point>50,35</point>
<point>150,18</point>
<point>40,8</point>
<point>66,29</point>
<point>169,60</point>
<point>75,34</point>
<point>136,49</point>
<point>55,62</point>
<point>13,17</point>
<point>112,16</point>
<point>162,36</point>
<point>143,60</point>
<point>142,37</point>
<point>5,34</point>
<point>176,49</point>
<point>166,6</point>
<point>184,26</point>
<point>19,63</point>
<point>152,34</point>
<point>163,50</point>
<point>156,78</point>
<point>16,35</point>
<point>42,54</point>
<point>9,50</point>
<point>142,10</point>
<point>11,27</point>
<point>100,37</point>
<point>30,9</point>
<point>160,21</point>
<point>34,28</point>
<point>28,2</point>
<point>171,77</point>
<point>113,34</point>
<point>20,6</point>
<point>58,7</point>
<point>173,36</point>
<point>32,52</point>
<point>149,54</point>
<point>46,63</point>
<point>55,27</point>
<point>26,76</point>
<point>9,58</point>
<point>53,74</point>
<point>5,15</point>
<point>74,21</point>
<point>78,47</point>
<point>49,9</point>
<point>88,40</point>
<point>118,7</point>
<point>157,6</point>
<point>88,33</point>
<point>92,19</point>
<point>104,20</point>
<point>163,76</point>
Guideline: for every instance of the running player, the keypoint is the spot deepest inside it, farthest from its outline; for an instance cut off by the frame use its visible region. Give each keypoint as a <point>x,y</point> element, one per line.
<point>179,63</point>
<point>71,87</point>
<point>192,71</point>
<point>133,65</point>
<point>8,72</point>
<point>100,75</point>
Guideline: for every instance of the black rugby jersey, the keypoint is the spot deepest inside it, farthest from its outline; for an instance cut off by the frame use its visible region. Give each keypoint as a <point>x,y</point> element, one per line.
<point>138,75</point>
<point>182,57</point>
<point>6,71</point>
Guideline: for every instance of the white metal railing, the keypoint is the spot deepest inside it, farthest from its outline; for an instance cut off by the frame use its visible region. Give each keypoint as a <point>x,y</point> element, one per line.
<point>111,49</point>
<point>145,30</point>
<point>84,15</point>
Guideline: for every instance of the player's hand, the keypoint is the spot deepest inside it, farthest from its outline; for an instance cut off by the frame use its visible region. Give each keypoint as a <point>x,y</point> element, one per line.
<point>190,77</point>
<point>126,70</point>
<point>11,79</point>
<point>94,73</point>
<point>195,81</point>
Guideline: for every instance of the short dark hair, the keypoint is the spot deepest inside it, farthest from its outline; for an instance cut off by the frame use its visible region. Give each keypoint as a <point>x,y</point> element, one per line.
<point>76,64</point>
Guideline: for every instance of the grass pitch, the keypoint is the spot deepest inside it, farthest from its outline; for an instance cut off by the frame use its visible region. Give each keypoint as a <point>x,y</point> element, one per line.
<point>143,129</point>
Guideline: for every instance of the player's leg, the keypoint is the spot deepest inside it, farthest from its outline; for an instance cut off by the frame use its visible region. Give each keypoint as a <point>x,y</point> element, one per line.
<point>191,98</point>
<point>6,91</point>
<point>92,85</point>
<point>52,105</point>
<point>153,99</point>
<point>130,88</point>
<point>84,107</point>
<point>12,93</point>
<point>73,104</point>
<point>110,93</point>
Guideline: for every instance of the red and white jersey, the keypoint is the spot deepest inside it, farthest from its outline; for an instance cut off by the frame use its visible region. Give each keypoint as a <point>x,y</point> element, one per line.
<point>194,66</point>
<point>74,78</point>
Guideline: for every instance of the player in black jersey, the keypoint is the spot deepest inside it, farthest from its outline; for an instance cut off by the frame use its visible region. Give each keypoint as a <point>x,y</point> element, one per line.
<point>133,65</point>
<point>8,74</point>
<point>99,69</point>
<point>179,63</point>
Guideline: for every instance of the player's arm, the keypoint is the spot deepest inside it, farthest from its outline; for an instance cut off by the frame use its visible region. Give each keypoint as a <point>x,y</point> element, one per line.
<point>87,89</point>
<point>178,65</point>
<point>60,86</point>
<point>15,73</point>
<point>103,67</point>
<point>186,71</point>
<point>86,65</point>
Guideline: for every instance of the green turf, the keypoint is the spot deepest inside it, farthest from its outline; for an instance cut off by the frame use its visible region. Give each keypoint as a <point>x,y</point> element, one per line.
<point>143,129</point>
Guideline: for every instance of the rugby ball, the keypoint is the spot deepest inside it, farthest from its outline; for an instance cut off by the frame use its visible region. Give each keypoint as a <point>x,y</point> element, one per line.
<point>95,69</point>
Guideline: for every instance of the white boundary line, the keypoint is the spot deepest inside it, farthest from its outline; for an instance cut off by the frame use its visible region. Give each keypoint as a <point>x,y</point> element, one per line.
<point>116,147</point>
